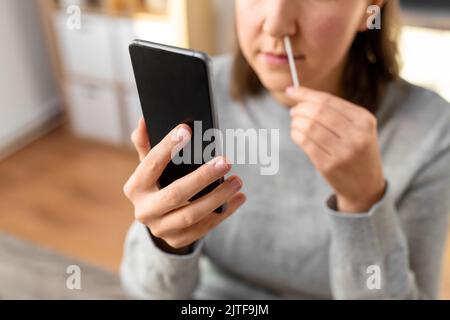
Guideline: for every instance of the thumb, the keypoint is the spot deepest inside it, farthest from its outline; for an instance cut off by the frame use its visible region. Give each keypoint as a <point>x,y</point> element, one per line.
<point>140,140</point>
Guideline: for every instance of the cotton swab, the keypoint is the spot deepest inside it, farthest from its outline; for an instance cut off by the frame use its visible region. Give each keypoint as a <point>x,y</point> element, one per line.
<point>288,47</point>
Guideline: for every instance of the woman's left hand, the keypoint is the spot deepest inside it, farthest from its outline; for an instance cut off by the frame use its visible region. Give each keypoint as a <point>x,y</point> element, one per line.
<point>341,140</point>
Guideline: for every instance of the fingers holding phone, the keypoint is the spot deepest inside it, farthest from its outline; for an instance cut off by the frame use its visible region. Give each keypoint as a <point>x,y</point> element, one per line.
<point>167,211</point>
<point>181,238</point>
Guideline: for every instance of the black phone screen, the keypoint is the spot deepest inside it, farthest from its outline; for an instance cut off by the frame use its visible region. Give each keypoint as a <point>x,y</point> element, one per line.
<point>174,88</point>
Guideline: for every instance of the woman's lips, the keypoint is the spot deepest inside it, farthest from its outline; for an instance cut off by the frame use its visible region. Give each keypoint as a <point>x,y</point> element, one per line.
<point>279,59</point>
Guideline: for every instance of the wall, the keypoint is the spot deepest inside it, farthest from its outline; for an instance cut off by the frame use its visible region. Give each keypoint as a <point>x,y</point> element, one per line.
<point>28,96</point>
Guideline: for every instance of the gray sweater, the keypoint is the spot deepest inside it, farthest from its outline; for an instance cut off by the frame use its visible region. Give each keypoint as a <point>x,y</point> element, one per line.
<point>288,241</point>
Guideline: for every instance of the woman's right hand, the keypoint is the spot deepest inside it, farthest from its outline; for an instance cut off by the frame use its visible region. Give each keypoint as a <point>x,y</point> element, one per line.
<point>174,222</point>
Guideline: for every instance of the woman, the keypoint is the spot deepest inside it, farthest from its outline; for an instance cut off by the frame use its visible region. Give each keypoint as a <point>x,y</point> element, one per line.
<point>359,207</point>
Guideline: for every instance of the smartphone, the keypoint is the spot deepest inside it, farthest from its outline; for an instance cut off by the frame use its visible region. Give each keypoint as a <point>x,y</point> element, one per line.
<point>175,87</point>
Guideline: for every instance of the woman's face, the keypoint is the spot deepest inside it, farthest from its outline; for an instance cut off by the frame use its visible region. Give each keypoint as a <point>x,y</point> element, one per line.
<point>321,32</point>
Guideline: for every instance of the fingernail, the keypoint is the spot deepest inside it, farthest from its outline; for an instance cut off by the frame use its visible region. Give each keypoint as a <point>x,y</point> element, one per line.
<point>241,200</point>
<point>221,165</point>
<point>236,183</point>
<point>182,134</point>
<point>290,90</point>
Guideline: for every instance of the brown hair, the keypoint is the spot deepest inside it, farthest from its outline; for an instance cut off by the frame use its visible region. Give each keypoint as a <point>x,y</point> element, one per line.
<point>372,62</point>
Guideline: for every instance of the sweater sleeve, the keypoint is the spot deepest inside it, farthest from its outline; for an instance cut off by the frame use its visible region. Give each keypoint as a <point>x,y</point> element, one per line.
<point>395,250</point>
<point>147,272</point>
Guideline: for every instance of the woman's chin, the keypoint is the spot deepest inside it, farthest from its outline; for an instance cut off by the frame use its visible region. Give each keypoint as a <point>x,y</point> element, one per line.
<point>277,86</point>
<point>276,83</point>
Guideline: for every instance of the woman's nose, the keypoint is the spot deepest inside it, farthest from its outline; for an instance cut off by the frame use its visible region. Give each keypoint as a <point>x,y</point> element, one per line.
<point>280,18</point>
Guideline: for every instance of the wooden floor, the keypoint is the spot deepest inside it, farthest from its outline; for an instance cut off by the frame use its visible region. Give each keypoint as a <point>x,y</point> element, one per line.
<point>65,193</point>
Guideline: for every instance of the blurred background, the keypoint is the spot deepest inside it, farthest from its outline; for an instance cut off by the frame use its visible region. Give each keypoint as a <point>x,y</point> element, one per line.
<point>69,104</point>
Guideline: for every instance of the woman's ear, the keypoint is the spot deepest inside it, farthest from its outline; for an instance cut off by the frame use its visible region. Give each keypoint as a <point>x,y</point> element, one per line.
<point>369,13</point>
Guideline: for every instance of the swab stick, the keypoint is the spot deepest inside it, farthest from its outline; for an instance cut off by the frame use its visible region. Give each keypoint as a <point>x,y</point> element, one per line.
<point>288,47</point>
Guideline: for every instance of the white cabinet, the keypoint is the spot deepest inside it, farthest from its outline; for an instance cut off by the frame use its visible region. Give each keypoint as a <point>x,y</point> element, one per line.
<point>124,31</point>
<point>132,109</point>
<point>156,31</point>
<point>94,112</point>
<point>99,50</point>
<point>123,35</point>
<point>86,52</point>
<point>96,60</point>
